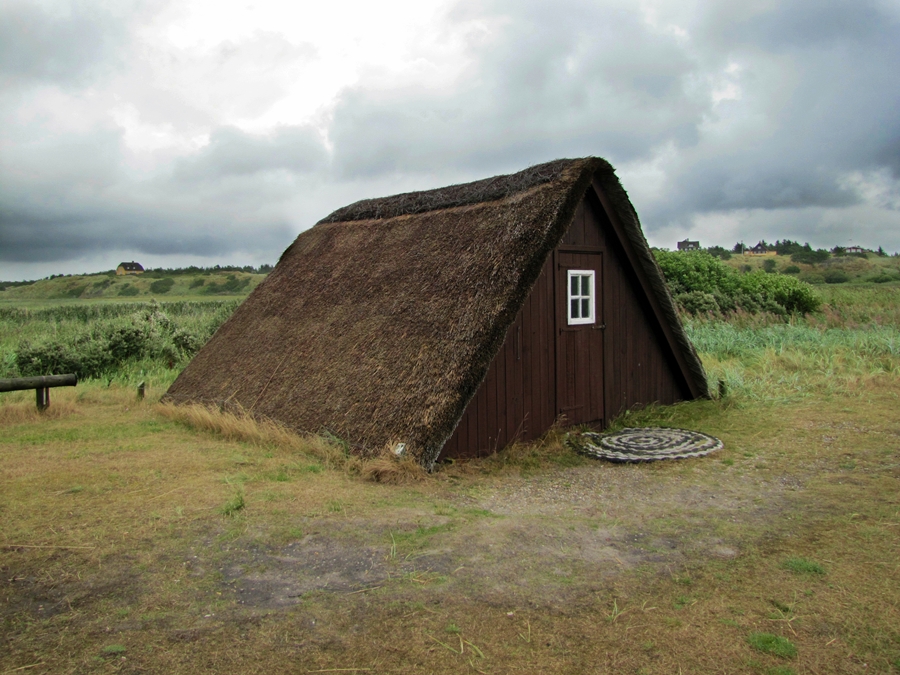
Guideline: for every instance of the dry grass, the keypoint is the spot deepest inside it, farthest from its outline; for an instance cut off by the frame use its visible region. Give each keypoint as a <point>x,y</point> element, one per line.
<point>115,545</point>
<point>22,412</point>
<point>240,426</point>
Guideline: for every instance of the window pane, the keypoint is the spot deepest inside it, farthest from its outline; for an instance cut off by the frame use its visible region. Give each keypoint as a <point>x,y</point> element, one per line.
<point>573,310</point>
<point>585,308</point>
<point>585,285</point>
<point>574,285</point>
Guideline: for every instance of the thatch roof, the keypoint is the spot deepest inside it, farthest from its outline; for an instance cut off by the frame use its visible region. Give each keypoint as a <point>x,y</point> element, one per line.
<point>379,323</point>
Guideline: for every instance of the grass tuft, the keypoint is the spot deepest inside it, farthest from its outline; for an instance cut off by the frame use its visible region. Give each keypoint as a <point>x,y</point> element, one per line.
<point>768,643</point>
<point>26,412</point>
<point>393,471</point>
<point>802,566</point>
<point>233,505</point>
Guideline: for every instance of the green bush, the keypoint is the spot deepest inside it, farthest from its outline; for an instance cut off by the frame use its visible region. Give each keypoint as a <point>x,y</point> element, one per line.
<point>75,291</point>
<point>162,286</point>
<point>792,269</point>
<point>698,302</point>
<point>836,277</point>
<point>810,257</point>
<point>702,284</point>
<point>197,282</point>
<point>128,290</point>
<point>794,296</point>
<point>769,265</point>
<point>232,285</point>
<point>106,346</point>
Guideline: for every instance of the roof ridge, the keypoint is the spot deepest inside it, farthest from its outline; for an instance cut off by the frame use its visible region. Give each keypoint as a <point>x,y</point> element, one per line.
<point>462,194</point>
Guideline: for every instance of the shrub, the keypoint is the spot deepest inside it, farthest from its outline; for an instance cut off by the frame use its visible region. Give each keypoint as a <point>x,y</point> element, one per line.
<point>812,278</point>
<point>719,252</point>
<point>883,279</point>
<point>128,290</point>
<point>810,257</point>
<point>792,269</point>
<point>769,265</point>
<point>690,271</point>
<point>836,277</point>
<point>197,282</point>
<point>162,286</point>
<point>85,358</point>
<point>76,291</point>
<point>102,349</point>
<point>702,284</point>
<point>232,285</point>
<point>791,294</point>
<point>698,302</point>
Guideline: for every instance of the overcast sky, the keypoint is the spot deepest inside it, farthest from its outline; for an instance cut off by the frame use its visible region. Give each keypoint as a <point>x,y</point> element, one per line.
<point>213,132</point>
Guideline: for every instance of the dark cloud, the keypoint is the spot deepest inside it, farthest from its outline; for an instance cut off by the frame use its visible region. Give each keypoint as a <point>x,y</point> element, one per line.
<point>75,194</point>
<point>230,151</point>
<point>796,25</point>
<point>785,111</point>
<point>67,47</point>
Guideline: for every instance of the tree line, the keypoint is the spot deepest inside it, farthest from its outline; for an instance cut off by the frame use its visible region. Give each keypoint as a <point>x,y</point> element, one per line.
<point>799,253</point>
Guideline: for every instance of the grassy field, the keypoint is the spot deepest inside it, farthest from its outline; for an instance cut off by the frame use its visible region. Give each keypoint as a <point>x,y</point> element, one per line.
<point>850,269</point>
<point>134,541</point>
<point>109,287</point>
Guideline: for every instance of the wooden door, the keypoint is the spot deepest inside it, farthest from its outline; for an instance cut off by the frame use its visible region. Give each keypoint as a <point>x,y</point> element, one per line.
<point>580,327</point>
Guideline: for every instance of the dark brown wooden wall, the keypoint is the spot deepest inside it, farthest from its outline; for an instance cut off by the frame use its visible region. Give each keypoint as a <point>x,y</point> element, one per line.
<point>640,367</point>
<point>518,398</point>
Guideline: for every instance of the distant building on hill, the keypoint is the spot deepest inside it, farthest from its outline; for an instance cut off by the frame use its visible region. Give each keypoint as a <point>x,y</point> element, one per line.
<point>129,268</point>
<point>855,249</point>
<point>688,245</point>
<point>759,249</point>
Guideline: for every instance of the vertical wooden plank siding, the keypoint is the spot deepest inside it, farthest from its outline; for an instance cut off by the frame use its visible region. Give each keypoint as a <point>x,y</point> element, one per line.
<point>640,367</point>
<point>518,399</point>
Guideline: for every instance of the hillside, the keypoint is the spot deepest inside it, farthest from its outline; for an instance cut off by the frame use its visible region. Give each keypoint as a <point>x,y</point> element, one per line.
<point>843,269</point>
<point>134,287</point>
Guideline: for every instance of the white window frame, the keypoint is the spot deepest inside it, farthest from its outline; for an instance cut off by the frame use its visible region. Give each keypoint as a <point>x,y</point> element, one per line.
<point>581,320</point>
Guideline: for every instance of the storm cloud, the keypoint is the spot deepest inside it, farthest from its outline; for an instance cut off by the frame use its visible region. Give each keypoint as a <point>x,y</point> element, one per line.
<point>726,122</point>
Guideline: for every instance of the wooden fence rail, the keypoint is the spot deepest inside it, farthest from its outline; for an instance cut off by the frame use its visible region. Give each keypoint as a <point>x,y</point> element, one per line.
<point>41,385</point>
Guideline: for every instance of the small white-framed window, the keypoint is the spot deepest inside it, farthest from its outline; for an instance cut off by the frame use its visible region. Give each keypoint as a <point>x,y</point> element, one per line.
<point>581,297</point>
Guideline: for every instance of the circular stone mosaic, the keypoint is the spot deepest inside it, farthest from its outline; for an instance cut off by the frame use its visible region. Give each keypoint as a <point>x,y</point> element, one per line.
<point>643,445</point>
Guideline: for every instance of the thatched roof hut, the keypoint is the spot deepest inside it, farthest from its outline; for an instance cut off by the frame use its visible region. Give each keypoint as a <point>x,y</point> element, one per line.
<point>447,315</point>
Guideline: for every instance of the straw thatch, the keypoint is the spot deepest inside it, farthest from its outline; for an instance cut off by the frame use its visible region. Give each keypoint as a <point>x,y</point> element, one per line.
<point>379,323</point>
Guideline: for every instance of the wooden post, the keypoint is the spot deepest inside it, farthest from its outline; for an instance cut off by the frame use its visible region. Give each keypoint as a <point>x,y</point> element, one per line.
<point>42,398</point>
<point>142,389</point>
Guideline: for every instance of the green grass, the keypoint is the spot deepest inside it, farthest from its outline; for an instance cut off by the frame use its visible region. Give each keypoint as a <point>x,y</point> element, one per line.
<point>858,271</point>
<point>105,287</point>
<point>802,566</point>
<point>84,323</point>
<point>767,643</point>
<point>234,505</point>
<point>145,534</point>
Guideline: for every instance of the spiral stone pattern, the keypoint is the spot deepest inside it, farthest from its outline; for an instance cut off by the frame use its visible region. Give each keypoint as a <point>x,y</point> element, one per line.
<point>643,444</point>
